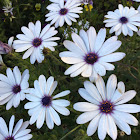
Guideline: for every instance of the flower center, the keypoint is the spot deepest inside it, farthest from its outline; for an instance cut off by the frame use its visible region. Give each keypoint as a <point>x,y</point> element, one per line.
<point>106,107</point>
<point>46,101</point>
<point>10,138</point>
<point>63,11</point>
<point>16,89</point>
<point>123,20</point>
<point>91,58</point>
<point>36,42</point>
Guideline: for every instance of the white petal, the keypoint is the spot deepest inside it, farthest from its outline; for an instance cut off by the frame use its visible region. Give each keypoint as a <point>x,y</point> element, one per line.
<point>45,29</point>
<point>87,72</point>
<point>92,127</point>
<point>112,57</point>
<point>85,106</point>
<point>37,87</point>
<point>31,105</point>
<point>62,110</point>
<point>22,133</point>
<point>11,125</point>
<point>61,102</point>
<point>100,69</point>
<point>55,116</point>
<point>54,85</point>
<point>3,127</point>
<point>121,87</point>
<point>41,118</point>
<point>126,117</point>
<point>84,37</point>
<point>111,86</point>
<point>74,68</point>
<point>17,127</point>
<point>26,137</point>
<point>122,124</point>
<point>10,41</point>
<point>27,32</point>
<point>61,94</point>
<point>92,37</point>
<point>37,28</point>
<point>50,81</point>
<point>86,117</point>
<point>112,129</point>
<point>49,120</point>
<point>72,47</point>
<point>10,76</point>
<point>130,108</point>
<point>84,94</point>
<point>109,48</point>
<point>127,96</point>
<point>101,87</point>
<point>42,83</point>
<point>16,100</point>
<point>102,130</point>
<point>79,42</point>
<point>28,53</point>
<point>17,75</point>
<point>100,40</point>
<point>92,90</point>
<point>35,115</point>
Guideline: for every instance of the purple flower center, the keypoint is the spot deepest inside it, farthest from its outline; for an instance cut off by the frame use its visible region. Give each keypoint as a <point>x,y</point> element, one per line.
<point>37,42</point>
<point>63,11</point>
<point>10,138</point>
<point>16,89</point>
<point>106,107</point>
<point>91,58</point>
<point>123,20</point>
<point>46,100</point>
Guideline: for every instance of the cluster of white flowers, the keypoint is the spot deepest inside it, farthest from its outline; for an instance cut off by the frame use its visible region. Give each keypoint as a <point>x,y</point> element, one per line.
<point>91,57</point>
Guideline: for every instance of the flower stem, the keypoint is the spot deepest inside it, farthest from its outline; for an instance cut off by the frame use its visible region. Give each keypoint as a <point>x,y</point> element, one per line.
<point>70,132</point>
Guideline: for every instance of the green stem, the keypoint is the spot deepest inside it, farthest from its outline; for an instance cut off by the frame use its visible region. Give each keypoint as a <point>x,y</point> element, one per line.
<point>70,132</point>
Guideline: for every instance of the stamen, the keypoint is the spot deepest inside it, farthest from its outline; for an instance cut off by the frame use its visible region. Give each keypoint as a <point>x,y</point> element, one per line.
<point>46,101</point>
<point>106,107</point>
<point>91,58</point>
<point>123,20</point>
<point>37,42</point>
<point>16,89</point>
<point>63,11</point>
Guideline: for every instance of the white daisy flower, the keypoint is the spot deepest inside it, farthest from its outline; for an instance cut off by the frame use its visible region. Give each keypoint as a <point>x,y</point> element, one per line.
<point>106,108</point>
<point>13,86</point>
<point>43,106</point>
<point>63,12</point>
<point>34,40</point>
<point>90,55</point>
<point>18,133</point>
<point>123,20</point>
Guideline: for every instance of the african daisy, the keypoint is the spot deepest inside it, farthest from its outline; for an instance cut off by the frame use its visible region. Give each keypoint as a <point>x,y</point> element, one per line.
<point>43,105</point>
<point>123,20</point>
<point>34,40</point>
<point>18,133</point>
<point>106,108</point>
<point>90,55</point>
<point>63,12</point>
<point>13,86</point>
